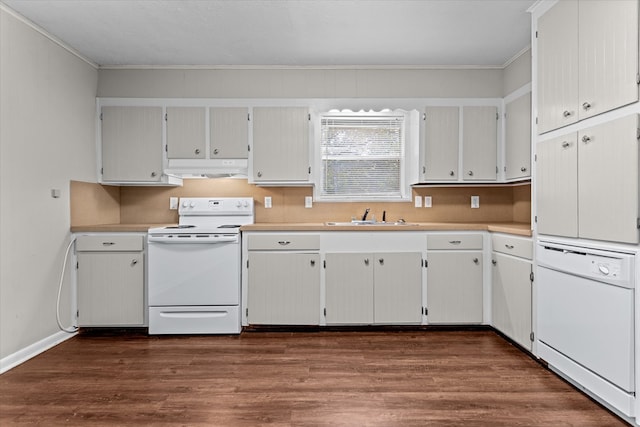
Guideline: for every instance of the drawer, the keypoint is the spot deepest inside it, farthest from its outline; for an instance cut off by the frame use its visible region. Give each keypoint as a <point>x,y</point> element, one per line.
<point>454,241</point>
<point>109,243</point>
<point>283,242</point>
<point>516,246</point>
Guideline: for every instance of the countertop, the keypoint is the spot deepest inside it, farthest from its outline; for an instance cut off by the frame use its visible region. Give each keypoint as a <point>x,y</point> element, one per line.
<point>519,229</point>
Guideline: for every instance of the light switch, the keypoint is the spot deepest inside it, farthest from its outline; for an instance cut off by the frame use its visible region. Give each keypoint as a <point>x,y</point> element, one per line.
<point>475,202</point>
<point>418,201</point>
<point>308,202</point>
<point>267,202</point>
<point>427,201</point>
<point>173,203</point>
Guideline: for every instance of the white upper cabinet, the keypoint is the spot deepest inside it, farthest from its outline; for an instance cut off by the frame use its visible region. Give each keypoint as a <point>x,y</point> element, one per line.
<point>131,144</point>
<point>280,150</point>
<point>229,133</point>
<point>518,138</point>
<point>441,144</point>
<point>479,143</point>
<point>186,132</point>
<point>587,60</point>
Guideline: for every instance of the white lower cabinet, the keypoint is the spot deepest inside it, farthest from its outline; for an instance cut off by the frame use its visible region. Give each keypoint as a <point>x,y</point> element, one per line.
<point>283,276</point>
<point>110,273</point>
<point>511,288</point>
<point>366,288</point>
<point>454,279</point>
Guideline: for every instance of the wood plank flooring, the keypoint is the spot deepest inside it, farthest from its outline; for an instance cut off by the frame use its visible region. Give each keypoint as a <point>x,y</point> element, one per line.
<point>327,378</point>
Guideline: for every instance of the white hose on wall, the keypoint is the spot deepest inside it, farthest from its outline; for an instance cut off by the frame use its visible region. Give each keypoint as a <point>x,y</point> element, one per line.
<point>73,328</point>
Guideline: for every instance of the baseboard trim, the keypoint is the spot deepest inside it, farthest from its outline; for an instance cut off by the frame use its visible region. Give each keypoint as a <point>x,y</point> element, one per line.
<point>21,356</point>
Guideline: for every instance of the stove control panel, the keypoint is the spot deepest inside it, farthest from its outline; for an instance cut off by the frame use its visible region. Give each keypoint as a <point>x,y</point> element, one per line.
<point>216,206</point>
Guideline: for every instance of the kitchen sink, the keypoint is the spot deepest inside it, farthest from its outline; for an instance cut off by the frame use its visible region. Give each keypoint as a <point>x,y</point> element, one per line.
<point>367,223</point>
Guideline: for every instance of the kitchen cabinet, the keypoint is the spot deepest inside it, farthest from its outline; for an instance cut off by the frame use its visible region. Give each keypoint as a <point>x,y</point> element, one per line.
<point>511,287</point>
<point>584,177</point>
<point>441,144</point>
<point>518,138</point>
<point>110,274</point>
<point>380,288</point>
<point>131,144</point>
<point>229,132</point>
<point>479,143</point>
<point>186,132</point>
<point>280,149</point>
<point>454,279</point>
<point>283,279</point>
<point>587,60</point>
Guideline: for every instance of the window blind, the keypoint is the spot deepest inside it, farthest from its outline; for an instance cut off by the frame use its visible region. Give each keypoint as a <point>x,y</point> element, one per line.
<point>362,157</point>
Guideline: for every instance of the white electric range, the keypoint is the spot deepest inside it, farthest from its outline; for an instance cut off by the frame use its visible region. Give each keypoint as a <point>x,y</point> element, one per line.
<point>194,268</point>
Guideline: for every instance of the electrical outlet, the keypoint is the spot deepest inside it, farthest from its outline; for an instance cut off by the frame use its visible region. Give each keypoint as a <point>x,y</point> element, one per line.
<point>475,202</point>
<point>173,203</point>
<point>418,201</point>
<point>267,202</point>
<point>308,202</point>
<point>427,201</point>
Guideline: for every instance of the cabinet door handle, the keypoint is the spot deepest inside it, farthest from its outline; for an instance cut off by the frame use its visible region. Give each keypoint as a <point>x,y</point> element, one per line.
<point>216,151</point>
<point>565,144</point>
<point>566,113</point>
<point>108,243</point>
<point>455,242</point>
<point>475,260</point>
<point>381,261</point>
<point>470,173</point>
<point>284,242</point>
<point>508,246</point>
<point>134,262</point>
<point>312,262</point>
<point>586,106</point>
<point>586,139</point>
<point>451,173</point>
<point>523,169</point>
<point>494,262</point>
<point>259,174</point>
<point>197,151</point>
<point>153,174</point>
<point>366,261</point>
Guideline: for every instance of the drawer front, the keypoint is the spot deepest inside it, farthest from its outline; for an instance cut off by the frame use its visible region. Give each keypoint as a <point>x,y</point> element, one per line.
<point>283,242</point>
<point>109,243</point>
<point>454,241</point>
<point>516,246</point>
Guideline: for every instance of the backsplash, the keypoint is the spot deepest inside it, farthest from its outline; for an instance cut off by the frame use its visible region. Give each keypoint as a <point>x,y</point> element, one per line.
<point>151,204</point>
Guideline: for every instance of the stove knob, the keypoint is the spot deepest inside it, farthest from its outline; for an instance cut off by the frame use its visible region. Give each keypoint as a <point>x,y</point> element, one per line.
<point>185,204</point>
<point>246,204</point>
<point>192,204</point>
<point>239,204</point>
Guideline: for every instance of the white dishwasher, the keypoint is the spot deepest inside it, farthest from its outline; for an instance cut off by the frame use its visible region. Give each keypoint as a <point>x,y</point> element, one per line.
<point>585,312</point>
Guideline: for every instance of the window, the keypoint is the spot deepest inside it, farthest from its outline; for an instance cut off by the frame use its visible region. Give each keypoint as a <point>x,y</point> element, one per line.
<point>363,156</point>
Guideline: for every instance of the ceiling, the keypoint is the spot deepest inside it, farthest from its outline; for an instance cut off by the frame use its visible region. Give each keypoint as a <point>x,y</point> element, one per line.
<point>484,33</point>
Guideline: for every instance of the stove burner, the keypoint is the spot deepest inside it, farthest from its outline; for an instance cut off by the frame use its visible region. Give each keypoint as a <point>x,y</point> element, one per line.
<point>229,226</point>
<point>173,227</point>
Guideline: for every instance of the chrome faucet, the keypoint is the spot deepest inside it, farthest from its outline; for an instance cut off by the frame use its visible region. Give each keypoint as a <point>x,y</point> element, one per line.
<point>366,212</point>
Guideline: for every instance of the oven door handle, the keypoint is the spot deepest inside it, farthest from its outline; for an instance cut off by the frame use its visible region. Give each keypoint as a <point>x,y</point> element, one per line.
<point>192,240</point>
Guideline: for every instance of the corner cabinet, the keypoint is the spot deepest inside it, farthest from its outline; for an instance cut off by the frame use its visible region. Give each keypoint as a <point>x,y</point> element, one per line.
<point>587,60</point>
<point>454,279</point>
<point>110,272</point>
<point>518,138</point>
<point>131,144</point>
<point>280,149</point>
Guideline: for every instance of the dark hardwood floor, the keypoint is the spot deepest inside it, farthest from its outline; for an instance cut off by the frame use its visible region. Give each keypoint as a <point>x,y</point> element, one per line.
<point>328,378</point>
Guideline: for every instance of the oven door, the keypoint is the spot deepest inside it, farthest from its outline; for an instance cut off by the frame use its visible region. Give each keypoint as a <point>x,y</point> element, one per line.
<point>194,274</point>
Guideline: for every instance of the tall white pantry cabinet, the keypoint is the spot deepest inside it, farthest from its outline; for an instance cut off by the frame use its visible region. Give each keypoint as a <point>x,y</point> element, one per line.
<point>587,121</point>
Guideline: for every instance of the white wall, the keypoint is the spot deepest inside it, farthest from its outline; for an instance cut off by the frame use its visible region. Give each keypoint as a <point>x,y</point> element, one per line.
<point>517,73</point>
<point>301,83</point>
<point>47,138</point>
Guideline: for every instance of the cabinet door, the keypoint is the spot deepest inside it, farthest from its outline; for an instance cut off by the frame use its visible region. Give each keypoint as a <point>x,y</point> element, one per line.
<point>398,287</point>
<point>349,288</point>
<point>557,186</point>
<point>229,133</point>
<point>511,298</point>
<point>479,143</point>
<point>283,288</point>
<point>518,138</point>
<point>454,287</point>
<point>608,55</point>
<point>441,143</point>
<point>280,144</point>
<point>186,130</point>
<point>558,66</point>
<point>110,288</point>
<point>608,181</point>
<point>131,144</point>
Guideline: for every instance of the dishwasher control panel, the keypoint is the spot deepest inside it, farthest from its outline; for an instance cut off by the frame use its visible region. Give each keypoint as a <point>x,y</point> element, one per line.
<point>605,267</point>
